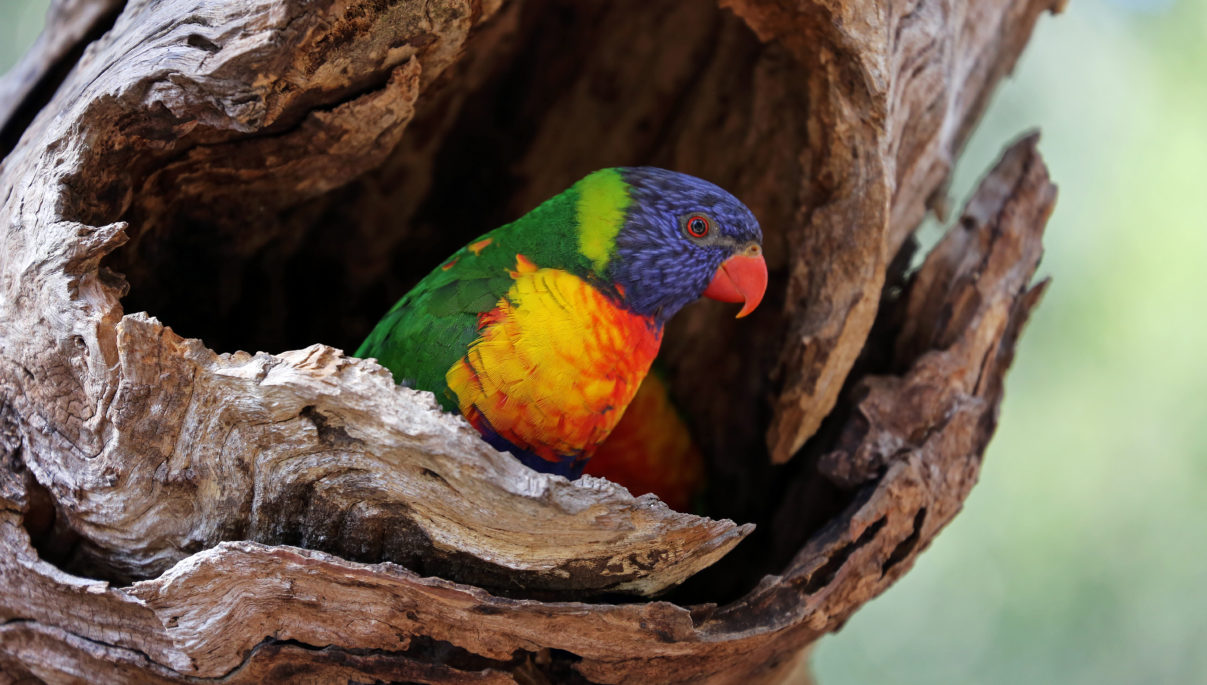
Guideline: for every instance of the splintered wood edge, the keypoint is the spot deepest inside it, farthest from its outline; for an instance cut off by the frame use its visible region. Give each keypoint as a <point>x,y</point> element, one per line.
<point>343,417</point>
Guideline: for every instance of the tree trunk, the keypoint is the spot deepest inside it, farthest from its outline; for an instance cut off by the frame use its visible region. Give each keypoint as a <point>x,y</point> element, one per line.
<point>273,174</point>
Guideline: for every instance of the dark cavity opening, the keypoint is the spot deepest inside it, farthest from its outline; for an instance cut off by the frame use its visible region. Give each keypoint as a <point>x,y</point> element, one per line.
<point>546,92</point>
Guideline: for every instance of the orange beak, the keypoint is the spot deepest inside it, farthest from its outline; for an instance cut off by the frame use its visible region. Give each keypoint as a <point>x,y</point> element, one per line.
<point>741,278</point>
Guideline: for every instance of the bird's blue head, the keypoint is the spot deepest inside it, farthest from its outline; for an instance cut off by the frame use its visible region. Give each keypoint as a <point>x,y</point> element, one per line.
<point>683,237</point>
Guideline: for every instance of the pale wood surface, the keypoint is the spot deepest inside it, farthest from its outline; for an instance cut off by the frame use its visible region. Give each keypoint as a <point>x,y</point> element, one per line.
<point>202,485</point>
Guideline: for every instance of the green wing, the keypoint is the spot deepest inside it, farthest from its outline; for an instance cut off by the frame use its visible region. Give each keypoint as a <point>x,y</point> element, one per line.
<point>432,326</point>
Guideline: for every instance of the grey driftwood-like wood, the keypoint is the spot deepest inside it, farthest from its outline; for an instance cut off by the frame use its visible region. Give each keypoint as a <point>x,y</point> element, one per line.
<point>270,172</point>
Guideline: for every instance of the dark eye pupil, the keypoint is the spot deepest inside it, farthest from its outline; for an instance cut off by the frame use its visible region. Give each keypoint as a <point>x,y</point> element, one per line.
<point>698,226</point>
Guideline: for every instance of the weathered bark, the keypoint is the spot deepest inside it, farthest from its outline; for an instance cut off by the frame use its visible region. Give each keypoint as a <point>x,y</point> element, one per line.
<point>273,174</point>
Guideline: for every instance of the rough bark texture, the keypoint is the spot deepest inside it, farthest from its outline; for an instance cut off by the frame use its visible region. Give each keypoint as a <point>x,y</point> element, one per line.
<point>272,175</point>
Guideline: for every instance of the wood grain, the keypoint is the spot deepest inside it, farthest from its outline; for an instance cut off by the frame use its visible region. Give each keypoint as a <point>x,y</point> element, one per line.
<point>265,175</point>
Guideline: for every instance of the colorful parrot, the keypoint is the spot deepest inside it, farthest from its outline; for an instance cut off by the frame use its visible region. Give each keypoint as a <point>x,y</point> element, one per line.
<point>541,331</point>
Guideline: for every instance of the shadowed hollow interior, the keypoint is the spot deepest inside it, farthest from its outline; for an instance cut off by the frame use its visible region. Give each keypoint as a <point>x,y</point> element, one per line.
<point>546,92</point>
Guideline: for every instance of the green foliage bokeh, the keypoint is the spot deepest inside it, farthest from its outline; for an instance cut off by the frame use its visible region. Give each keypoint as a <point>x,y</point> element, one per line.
<point>1081,557</point>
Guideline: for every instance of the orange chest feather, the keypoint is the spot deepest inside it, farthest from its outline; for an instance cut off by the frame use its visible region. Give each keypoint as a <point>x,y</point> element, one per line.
<point>555,365</point>
<point>651,450</point>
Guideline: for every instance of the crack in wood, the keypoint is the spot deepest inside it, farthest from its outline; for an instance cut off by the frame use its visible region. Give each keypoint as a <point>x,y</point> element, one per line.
<point>828,571</point>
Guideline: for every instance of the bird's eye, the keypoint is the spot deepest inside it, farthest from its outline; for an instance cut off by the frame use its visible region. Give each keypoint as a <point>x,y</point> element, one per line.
<point>698,226</point>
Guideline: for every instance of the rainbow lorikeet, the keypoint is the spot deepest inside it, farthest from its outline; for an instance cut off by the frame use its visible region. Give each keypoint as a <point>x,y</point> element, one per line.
<point>540,331</point>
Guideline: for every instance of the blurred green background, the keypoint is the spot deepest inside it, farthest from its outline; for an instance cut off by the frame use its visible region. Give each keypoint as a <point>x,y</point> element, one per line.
<point>1081,557</point>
